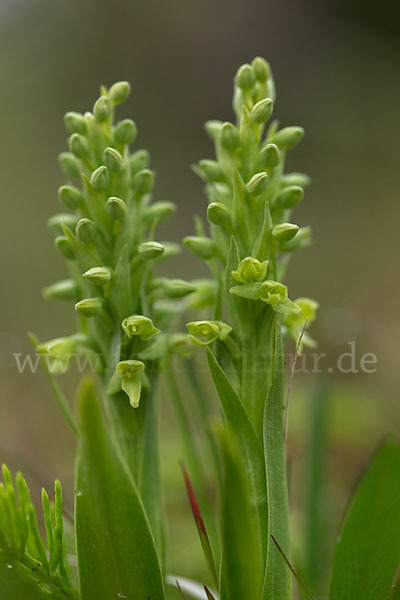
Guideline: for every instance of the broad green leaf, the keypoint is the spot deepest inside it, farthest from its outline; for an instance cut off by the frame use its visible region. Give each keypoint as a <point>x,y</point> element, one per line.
<point>17,581</point>
<point>136,434</point>
<point>368,551</point>
<point>277,583</point>
<point>237,419</point>
<point>241,571</point>
<point>116,550</point>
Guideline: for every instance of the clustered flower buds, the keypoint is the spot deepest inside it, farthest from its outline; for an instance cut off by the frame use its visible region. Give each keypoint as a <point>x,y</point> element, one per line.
<point>108,240</point>
<point>250,201</point>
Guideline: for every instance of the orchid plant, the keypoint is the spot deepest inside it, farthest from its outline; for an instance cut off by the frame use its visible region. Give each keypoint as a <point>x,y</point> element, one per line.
<point>127,321</point>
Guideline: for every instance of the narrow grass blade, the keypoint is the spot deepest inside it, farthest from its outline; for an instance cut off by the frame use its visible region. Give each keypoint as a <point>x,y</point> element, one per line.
<point>209,594</point>
<point>201,528</point>
<point>368,551</point>
<point>190,588</point>
<point>293,571</point>
<point>116,551</point>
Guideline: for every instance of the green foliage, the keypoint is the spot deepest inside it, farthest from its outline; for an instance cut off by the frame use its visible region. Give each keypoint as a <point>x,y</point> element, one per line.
<point>116,550</point>
<point>368,551</point>
<point>28,564</point>
<point>243,317</point>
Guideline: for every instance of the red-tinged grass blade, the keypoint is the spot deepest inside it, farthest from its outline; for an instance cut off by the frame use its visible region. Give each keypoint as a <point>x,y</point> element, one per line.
<point>208,593</point>
<point>296,575</point>
<point>201,528</point>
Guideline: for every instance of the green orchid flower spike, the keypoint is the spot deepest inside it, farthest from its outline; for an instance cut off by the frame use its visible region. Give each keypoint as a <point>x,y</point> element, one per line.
<point>248,248</point>
<point>109,241</point>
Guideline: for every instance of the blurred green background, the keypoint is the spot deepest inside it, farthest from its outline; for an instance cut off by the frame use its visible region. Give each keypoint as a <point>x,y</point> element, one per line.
<point>336,66</point>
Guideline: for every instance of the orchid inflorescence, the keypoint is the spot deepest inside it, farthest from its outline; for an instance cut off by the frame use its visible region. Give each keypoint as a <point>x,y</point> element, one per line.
<point>108,241</point>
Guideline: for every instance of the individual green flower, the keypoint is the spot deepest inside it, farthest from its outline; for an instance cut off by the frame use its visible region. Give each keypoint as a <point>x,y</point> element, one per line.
<point>202,333</point>
<point>294,322</point>
<point>141,326</point>
<point>276,294</point>
<point>250,269</point>
<point>127,372</point>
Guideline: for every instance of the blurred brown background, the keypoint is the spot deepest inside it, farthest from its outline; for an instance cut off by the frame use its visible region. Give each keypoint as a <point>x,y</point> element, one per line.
<point>336,66</point>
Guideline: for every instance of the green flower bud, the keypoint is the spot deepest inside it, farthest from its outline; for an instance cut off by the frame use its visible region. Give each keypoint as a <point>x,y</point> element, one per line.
<point>116,208</point>
<point>284,232</point>
<point>64,346</point>
<point>75,123</point>
<point>143,182</point>
<point>119,92</point>
<point>90,307</point>
<point>56,221</point>
<point>250,270</point>
<point>276,295</point>
<point>127,371</point>
<point>257,184</point>
<point>98,275</point>
<point>202,333</point>
<point>302,240</point>
<point>86,230</point>
<point>159,211</point>
<point>99,179</point>
<point>245,77</point>
<point>213,128</point>
<point>211,170</point>
<point>139,160</point>
<point>79,145</point>
<point>261,69</point>
<point>151,250</point>
<point>230,138</point>
<point>300,179</point>
<point>63,290</point>
<point>269,156</point>
<point>218,214</point>
<point>176,288</point>
<point>125,132</point>
<point>69,165</point>
<point>262,111</point>
<point>70,196</point>
<point>200,246</point>
<point>63,245</point>
<point>113,160</point>
<point>289,197</point>
<point>141,326</point>
<point>288,137</point>
<point>102,109</point>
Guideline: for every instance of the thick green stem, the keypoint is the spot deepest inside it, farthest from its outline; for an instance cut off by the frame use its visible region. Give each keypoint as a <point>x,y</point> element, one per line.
<point>277,583</point>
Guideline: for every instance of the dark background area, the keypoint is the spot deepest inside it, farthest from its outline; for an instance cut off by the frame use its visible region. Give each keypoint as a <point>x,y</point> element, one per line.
<point>336,66</point>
